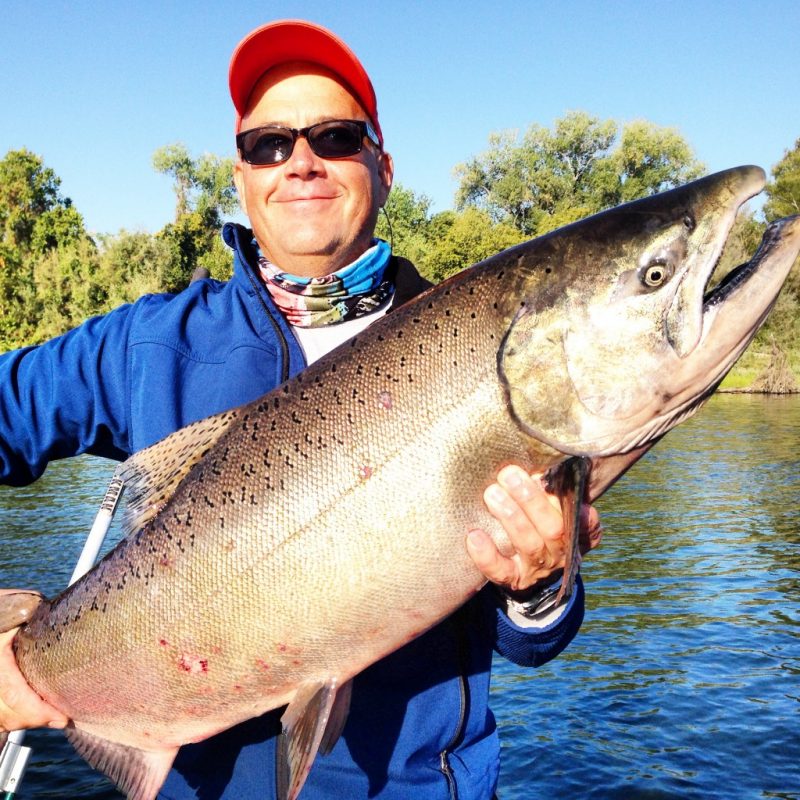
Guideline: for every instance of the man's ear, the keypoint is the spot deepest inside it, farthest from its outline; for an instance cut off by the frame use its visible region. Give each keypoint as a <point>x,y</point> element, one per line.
<point>386,175</point>
<point>238,182</point>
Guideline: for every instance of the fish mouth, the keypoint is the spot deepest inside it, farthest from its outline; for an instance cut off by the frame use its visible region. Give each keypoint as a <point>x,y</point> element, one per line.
<point>735,308</point>
<point>775,233</point>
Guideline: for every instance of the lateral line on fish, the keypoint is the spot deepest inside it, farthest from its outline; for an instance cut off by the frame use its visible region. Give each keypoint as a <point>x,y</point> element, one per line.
<point>205,599</point>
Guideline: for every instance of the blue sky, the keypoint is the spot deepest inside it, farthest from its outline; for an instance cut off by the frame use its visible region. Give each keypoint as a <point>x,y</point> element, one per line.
<point>96,87</point>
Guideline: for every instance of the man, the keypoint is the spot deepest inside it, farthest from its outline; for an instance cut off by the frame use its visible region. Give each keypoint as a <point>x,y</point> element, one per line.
<point>312,175</point>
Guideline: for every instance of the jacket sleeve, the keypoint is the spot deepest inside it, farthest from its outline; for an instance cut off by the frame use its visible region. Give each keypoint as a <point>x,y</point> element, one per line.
<point>532,647</point>
<point>65,397</point>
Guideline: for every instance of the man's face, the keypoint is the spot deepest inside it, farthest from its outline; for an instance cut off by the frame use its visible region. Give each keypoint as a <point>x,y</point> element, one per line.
<point>310,216</point>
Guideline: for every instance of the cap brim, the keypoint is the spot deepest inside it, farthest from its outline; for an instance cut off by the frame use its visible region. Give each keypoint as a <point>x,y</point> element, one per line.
<point>296,40</point>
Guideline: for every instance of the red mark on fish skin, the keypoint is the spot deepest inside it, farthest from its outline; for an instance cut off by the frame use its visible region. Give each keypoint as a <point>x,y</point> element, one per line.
<point>262,665</point>
<point>365,472</point>
<point>385,400</point>
<point>163,642</point>
<point>193,664</point>
<point>297,662</point>
<point>237,688</point>
<point>216,650</point>
<point>282,648</point>
<point>165,562</point>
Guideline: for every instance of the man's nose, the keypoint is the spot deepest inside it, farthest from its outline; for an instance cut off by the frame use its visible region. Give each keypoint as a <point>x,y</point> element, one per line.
<point>304,161</point>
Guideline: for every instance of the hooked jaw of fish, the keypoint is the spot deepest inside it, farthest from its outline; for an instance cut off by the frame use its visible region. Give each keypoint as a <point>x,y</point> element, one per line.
<point>638,343</point>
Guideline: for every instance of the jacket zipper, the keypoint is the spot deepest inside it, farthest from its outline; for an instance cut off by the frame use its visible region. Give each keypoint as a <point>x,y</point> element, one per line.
<point>279,333</point>
<point>458,624</point>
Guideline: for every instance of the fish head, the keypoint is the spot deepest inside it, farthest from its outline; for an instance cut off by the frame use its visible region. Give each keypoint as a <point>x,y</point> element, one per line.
<point>617,339</point>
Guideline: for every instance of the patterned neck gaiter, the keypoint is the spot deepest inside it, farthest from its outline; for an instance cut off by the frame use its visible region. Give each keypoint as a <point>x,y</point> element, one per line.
<point>353,291</point>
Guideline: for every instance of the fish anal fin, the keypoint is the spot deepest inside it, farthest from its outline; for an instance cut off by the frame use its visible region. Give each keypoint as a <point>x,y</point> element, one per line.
<point>17,607</point>
<point>139,774</point>
<point>337,718</point>
<point>304,729</point>
<point>152,475</point>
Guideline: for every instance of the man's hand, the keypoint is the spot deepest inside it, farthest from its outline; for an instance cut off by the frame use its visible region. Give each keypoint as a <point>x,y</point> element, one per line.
<point>532,520</point>
<point>20,706</point>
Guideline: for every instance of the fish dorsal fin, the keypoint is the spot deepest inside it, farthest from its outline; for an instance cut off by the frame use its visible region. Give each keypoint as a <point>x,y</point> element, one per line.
<point>17,607</point>
<point>305,724</point>
<point>138,774</point>
<point>151,476</point>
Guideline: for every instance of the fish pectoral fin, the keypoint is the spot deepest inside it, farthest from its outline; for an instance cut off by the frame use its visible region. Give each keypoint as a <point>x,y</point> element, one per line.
<point>139,774</point>
<point>569,481</point>
<point>305,722</point>
<point>151,476</point>
<point>17,607</point>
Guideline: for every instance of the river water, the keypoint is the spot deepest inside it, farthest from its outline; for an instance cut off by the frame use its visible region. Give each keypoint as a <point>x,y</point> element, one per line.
<point>684,681</point>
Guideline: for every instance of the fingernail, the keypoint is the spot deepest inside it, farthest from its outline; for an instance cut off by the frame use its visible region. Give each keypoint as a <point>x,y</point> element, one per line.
<point>55,723</point>
<point>514,478</point>
<point>476,539</point>
<point>494,492</point>
<point>518,481</point>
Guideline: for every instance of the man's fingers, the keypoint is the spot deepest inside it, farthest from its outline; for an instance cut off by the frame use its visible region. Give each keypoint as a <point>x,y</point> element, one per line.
<point>539,509</point>
<point>20,706</point>
<point>488,559</point>
<point>591,529</point>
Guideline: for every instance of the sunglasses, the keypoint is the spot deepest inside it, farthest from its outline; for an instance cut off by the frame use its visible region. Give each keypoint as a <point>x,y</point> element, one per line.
<point>336,138</point>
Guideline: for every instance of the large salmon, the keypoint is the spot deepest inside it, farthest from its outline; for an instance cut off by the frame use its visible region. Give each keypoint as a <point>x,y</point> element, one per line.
<point>277,549</point>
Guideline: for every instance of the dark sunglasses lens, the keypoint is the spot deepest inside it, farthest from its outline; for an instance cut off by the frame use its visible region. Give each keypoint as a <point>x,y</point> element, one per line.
<point>267,146</point>
<point>335,139</point>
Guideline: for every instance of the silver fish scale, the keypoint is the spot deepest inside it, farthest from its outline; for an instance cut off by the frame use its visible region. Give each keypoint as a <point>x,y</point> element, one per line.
<point>277,556</point>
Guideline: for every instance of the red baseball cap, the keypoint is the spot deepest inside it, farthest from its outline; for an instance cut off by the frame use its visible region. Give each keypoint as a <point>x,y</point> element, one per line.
<point>297,40</point>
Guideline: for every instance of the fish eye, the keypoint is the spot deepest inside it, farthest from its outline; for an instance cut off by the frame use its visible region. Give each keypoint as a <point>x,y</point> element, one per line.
<point>655,274</point>
<point>688,222</point>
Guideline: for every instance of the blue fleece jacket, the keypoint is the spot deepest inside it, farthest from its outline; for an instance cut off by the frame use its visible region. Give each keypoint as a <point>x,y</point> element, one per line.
<point>419,724</point>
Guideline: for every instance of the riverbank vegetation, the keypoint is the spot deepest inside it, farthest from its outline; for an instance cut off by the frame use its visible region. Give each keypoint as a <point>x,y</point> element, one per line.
<point>54,273</point>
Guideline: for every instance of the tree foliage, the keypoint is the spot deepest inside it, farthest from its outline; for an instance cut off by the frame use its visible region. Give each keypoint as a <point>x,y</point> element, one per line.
<point>28,189</point>
<point>53,275</point>
<point>784,189</point>
<point>204,192</point>
<point>551,177</point>
<point>444,243</point>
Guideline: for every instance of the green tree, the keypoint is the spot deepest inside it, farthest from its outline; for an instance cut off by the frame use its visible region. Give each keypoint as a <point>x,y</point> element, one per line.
<point>650,159</point>
<point>551,177</point>
<point>464,238</point>
<point>406,223</point>
<point>132,264</point>
<point>67,290</point>
<point>783,191</point>
<point>204,191</point>
<point>41,292</point>
<point>28,189</point>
